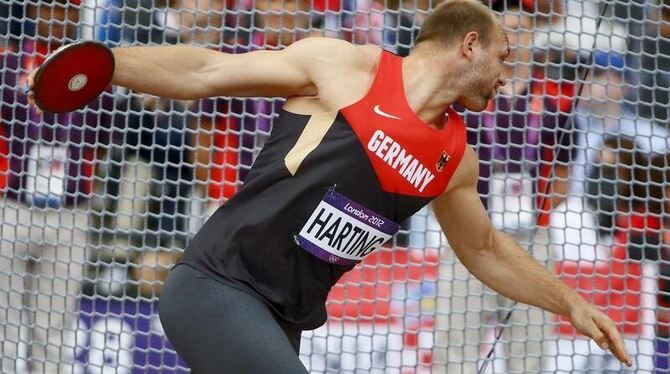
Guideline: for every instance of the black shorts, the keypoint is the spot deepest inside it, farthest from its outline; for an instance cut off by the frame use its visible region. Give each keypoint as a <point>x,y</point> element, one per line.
<point>217,328</point>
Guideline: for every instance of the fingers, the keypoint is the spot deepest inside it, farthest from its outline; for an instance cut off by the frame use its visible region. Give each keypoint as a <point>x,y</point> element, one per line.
<point>614,339</point>
<point>598,336</point>
<point>31,102</point>
<point>28,89</point>
<point>29,93</point>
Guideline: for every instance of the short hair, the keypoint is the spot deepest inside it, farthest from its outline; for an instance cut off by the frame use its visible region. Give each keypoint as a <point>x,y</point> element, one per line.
<point>453,19</point>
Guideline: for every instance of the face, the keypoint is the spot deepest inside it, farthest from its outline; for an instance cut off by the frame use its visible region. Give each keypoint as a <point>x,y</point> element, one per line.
<point>56,21</point>
<point>484,73</point>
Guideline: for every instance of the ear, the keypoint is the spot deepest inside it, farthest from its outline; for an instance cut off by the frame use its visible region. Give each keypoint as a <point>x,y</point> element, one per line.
<point>468,44</point>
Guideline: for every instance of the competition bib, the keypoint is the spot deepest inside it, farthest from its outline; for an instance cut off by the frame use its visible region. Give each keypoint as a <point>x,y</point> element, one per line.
<point>342,232</point>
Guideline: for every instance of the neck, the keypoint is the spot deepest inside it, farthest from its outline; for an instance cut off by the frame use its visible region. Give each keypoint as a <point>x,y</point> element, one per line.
<point>428,94</point>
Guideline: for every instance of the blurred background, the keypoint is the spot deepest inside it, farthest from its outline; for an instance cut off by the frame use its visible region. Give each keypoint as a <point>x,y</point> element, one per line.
<point>98,204</point>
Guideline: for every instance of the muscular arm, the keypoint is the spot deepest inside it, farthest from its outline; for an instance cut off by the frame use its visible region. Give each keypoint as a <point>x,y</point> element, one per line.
<point>498,261</point>
<point>188,72</point>
<point>492,256</point>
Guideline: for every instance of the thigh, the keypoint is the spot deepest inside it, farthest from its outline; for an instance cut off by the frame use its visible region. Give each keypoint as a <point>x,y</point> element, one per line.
<point>219,329</point>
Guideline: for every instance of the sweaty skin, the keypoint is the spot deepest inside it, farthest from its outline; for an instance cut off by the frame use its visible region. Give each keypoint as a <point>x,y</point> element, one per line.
<point>318,75</point>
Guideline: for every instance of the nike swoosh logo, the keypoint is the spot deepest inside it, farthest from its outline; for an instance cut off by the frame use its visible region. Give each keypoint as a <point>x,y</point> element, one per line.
<point>384,114</point>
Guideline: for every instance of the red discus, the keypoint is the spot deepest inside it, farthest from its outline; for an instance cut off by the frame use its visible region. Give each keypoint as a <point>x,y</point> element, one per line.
<point>73,76</point>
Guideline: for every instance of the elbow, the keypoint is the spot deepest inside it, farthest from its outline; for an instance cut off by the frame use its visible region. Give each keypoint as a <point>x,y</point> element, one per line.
<point>213,77</point>
<point>487,245</point>
<point>204,87</point>
<point>478,256</point>
<point>484,247</point>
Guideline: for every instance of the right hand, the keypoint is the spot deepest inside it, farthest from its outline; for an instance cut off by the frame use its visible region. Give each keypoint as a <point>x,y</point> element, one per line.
<point>31,97</point>
<point>599,327</point>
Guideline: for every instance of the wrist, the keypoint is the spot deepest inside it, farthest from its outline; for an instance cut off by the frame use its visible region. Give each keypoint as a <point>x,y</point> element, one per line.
<point>572,302</point>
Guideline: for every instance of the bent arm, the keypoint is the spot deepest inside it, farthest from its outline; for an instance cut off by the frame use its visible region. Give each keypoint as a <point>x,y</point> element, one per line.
<point>187,72</point>
<point>494,257</point>
<point>498,261</point>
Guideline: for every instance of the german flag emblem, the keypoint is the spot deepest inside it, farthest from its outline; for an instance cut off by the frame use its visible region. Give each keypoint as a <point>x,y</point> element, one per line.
<point>444,158</point>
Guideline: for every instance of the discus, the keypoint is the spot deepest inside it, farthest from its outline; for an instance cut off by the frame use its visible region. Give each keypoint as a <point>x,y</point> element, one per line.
<point>73,76</point>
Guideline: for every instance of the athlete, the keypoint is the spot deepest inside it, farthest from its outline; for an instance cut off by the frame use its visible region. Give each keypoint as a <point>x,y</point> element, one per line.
<point>365,139</point>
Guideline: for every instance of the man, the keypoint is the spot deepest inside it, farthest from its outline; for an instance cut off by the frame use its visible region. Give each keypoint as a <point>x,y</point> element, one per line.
<point>43,220</point>
<point>363,136</point>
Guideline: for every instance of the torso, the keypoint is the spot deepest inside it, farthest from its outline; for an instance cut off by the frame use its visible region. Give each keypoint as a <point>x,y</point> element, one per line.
<point>338,173</point>
<point>343,83</point>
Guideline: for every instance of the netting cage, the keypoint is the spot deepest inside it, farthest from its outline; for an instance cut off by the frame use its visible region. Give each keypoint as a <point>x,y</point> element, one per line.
<point>98,204</point>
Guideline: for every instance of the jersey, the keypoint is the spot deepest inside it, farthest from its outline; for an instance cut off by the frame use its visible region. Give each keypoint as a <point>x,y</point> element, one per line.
<point>326,190</point>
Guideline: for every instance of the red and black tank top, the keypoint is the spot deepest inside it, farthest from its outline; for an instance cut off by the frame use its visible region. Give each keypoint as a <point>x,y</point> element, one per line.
<point>327,190</point>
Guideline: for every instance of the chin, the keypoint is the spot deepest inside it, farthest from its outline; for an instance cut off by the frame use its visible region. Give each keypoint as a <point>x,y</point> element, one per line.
<point>476,105</point>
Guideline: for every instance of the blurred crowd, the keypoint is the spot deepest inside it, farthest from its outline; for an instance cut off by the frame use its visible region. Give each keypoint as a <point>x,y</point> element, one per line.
<point>574,163</point>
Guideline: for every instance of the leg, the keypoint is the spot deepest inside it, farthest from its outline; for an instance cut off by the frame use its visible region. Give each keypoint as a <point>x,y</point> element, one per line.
<point>58,274</point>
<point>214,326</point>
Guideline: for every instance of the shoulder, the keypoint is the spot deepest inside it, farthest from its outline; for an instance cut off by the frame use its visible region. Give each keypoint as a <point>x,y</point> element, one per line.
<point>467,172</point>
<point>319,53</point>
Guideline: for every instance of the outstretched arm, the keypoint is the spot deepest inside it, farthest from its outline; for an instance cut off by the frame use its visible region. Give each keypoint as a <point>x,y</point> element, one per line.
<point>186,72</point>
<point>189,72</point>
<point>498,261</point>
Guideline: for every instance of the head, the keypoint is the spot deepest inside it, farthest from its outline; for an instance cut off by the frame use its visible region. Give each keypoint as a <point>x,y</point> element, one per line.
<point>55,20</point>
<point>465,37</point>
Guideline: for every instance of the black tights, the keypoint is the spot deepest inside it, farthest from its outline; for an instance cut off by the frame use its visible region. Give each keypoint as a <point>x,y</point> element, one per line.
<point>216,328</point>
